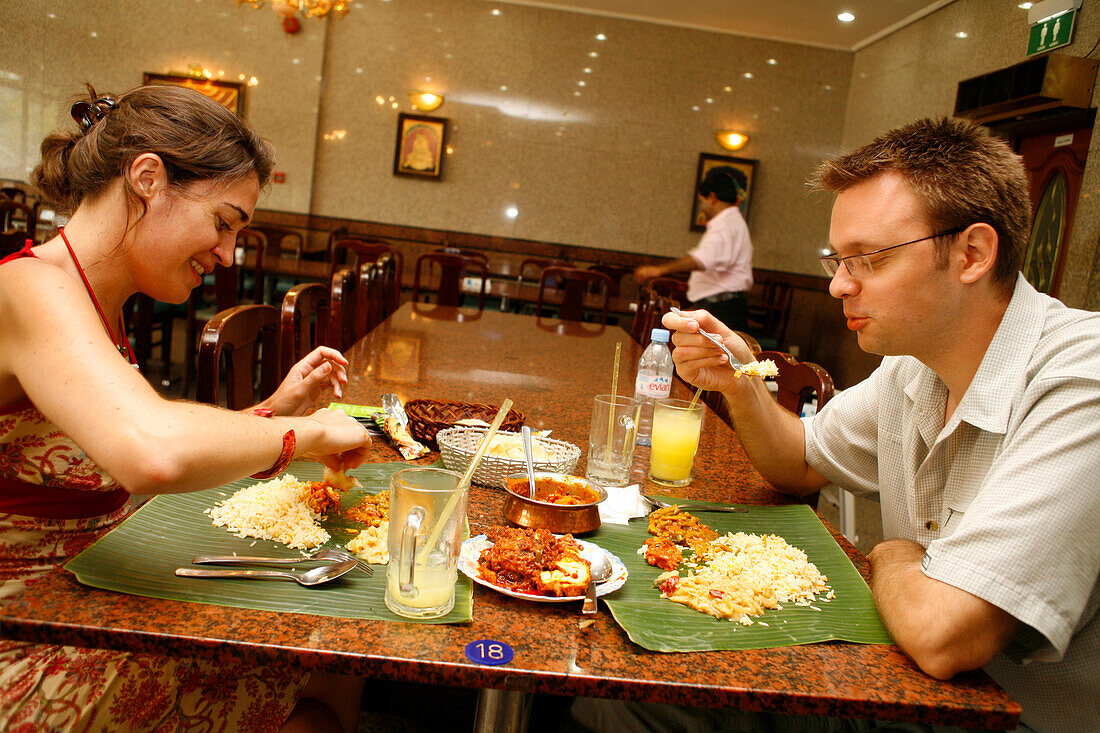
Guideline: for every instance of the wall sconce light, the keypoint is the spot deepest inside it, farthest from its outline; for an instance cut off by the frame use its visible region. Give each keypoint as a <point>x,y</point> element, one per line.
<point>731,140</point>
<point>425,101</point>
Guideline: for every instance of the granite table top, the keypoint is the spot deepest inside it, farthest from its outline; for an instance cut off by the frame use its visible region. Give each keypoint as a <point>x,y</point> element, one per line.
<point>550,370</point>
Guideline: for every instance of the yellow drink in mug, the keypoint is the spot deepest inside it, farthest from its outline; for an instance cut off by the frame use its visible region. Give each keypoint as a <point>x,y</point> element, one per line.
<point>675,438</point>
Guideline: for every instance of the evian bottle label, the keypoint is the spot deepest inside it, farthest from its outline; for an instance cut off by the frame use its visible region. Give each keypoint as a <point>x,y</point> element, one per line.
<point>652,387</point>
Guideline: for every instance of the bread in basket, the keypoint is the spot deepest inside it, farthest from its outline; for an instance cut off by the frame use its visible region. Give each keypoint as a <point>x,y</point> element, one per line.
<point>428,417</point>
<point>457,446</point>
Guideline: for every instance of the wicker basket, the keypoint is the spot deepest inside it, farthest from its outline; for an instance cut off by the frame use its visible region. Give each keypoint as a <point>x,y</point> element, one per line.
<point>428,417</point>
<point>457,447</point>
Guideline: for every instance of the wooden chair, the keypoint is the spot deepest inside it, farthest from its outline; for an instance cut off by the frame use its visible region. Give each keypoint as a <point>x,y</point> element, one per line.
<point>464,253</point>
<point>616,273</point>
<point>390,279</point>
<point>245,338</point>
<point>649,317</point>
<point>769,314</point>
<point>342,308</point>
<point>302,323</point>
<point>287,242</point>
<point>368,300</point>
<point>531,268</point>
<point>452,270</point>
<point>255,241</point>
<point>574,282</point>
<point>354,252</point>
<point>222,292</point>
<point>642,307</point>
<point>145,319</point>
<point>18,223</point>
<point>14,193</point>
<point>669,287</point>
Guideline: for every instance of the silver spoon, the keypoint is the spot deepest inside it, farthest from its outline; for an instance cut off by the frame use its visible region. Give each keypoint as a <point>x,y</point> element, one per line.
<point>326,553</point>
<point>526,433</point>
<point>716,340</point>
<point>687,507</point>
<point>316,576</point>
<point>600,571</point>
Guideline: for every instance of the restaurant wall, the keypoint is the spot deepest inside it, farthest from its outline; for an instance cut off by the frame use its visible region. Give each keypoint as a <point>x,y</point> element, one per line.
<point>49,48</point>
<point>915,71</point>
<point>610,164</point>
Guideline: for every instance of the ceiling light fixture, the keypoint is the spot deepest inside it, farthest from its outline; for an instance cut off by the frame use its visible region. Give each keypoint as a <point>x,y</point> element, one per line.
<point>845,17</point>
<point>426,101</point>
<point>289,10</point>
<point>731,140</point>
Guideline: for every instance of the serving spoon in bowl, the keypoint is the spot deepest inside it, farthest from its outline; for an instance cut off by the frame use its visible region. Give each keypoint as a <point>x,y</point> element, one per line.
<point>526,433</point>
<point>315,576</point>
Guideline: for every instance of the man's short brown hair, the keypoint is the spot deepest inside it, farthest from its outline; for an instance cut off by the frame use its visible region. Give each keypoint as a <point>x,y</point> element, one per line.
<point>963,175</point>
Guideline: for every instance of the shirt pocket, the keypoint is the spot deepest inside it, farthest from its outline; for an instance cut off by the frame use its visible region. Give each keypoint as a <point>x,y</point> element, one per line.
<point>956,502</point>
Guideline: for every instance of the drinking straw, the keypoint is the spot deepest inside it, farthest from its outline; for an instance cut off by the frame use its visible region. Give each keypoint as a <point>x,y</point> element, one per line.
<point>464,483</point>
<point>695,398</point>
<point>614,389</point>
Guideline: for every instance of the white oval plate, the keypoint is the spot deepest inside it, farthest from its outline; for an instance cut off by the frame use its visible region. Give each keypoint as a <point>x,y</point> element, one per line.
<point>471,551</point>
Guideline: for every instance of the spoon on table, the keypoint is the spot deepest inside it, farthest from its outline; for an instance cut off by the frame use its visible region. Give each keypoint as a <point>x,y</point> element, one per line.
<point>526,433</point>
<point>600,572</point>
<point>653,504</point>
<point>316,576</point>
<point>325,553</point>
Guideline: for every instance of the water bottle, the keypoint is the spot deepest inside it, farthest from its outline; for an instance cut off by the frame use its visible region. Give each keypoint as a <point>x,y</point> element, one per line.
<point>654,380</point>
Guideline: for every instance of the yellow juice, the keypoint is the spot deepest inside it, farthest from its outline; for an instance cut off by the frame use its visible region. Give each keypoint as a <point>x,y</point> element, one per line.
<point>435,588</point>
<point>675,440</point>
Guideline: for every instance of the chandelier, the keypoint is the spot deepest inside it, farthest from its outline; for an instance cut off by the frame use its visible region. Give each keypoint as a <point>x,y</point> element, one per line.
<point>288,10</point>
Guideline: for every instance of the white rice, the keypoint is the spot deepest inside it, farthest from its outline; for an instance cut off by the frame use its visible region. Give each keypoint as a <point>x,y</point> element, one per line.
<point>272,510</point>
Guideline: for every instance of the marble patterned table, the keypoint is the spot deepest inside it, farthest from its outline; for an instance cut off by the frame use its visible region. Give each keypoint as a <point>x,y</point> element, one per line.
<point>550,370</point>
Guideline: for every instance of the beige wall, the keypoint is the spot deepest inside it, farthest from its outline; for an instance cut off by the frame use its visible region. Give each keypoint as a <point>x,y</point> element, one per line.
<point>914,73</point>
<point>612,168</point>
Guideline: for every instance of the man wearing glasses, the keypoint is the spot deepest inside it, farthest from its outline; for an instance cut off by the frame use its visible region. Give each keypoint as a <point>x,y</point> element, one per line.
<point>979,432</point>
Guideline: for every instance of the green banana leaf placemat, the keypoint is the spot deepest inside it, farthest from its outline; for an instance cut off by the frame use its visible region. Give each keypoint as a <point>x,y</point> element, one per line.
<point>660,625</point>
<point>141,554</point>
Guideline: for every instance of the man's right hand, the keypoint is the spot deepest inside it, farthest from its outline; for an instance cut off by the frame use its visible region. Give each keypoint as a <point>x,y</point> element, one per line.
<point>645,273</point>
<point>697,360</point>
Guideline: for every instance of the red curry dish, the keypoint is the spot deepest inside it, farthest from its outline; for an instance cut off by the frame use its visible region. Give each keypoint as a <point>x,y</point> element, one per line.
<point>555,490</point>
<point>534,561</point>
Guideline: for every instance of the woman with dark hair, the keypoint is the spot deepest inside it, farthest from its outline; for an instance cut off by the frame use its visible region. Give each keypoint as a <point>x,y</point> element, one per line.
<point>159,181</point>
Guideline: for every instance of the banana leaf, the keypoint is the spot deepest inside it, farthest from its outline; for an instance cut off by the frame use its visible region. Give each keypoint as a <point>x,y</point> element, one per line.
<point>141,554</point>
<point>660,625</point>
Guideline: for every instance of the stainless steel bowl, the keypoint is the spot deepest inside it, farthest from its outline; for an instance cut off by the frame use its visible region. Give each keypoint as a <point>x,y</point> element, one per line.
<point>521,509</point>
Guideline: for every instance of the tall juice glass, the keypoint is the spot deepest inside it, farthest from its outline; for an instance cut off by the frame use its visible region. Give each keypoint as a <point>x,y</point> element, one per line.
<point>420,580</point>
<point>676,429</point>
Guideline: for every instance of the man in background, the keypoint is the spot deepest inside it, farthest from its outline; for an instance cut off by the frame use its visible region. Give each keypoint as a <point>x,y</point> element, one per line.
<point>721,264</point>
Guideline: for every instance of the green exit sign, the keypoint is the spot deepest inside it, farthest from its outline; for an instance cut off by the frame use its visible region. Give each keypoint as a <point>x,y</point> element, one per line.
<point>1052,33</point>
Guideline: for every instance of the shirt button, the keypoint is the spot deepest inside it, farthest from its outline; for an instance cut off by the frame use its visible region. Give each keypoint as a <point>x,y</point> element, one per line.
<point>931,525</point>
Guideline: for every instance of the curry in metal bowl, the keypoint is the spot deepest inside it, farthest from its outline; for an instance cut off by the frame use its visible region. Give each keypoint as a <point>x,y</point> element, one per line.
<point>562,503</point>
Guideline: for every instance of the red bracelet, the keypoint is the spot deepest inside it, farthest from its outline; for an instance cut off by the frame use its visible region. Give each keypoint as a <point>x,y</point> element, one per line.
<point>289,443</point>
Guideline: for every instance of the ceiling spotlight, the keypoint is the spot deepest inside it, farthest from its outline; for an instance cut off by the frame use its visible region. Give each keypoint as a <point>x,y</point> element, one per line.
<point>731,140</point>
<point>845,17</point>
<point>426,101</point>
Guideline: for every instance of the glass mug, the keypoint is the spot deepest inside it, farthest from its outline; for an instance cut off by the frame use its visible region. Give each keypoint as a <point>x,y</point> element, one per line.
<point>676,430</point>
<point>420,581</point>
<point>611,439</point>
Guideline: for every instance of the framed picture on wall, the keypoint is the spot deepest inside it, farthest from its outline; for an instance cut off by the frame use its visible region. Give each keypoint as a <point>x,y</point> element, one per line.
<point>708,161</point>
<point>229,94</point>
<point>421,143</point>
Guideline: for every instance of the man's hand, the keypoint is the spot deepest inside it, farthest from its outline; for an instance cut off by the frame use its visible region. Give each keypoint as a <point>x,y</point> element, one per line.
<point>698,361</point>
<point>645,273</point>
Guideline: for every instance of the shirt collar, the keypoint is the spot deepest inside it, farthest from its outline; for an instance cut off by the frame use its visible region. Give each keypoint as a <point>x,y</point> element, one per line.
<point>726,212</point>
<point>988,401</point>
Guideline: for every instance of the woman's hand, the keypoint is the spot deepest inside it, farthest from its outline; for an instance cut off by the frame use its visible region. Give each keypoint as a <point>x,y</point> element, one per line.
<point>345,443</point>
<point>697,360</point>
<point>303,385</point>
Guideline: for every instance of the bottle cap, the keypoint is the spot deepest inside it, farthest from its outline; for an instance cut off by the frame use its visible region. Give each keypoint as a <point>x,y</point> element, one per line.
<point>660,335</point>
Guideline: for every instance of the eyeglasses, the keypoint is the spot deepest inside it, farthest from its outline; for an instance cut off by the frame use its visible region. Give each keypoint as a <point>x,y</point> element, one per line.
<point>860,265</point>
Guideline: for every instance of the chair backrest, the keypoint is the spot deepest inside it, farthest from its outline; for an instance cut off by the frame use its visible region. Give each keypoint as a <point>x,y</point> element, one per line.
<point>574,282</point>
<point>354,252</point>
<point>245,338</point>
<point>750,341</point>
<point>531,268</point>
<point>475,254</point>
<point>18,223</point>
<point>303,322</point>
<point>368,300</point>
<point>452,270</point>
<point>642,308</point>
<point>14,193</point>
<point>342,308</point>
<point>669,287</point>
<point>799,381</point>
<point>616,273</point>
<point>768,316</point>
<point>285,242</point>
<point>252,239</point>
<point>390,278</point>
